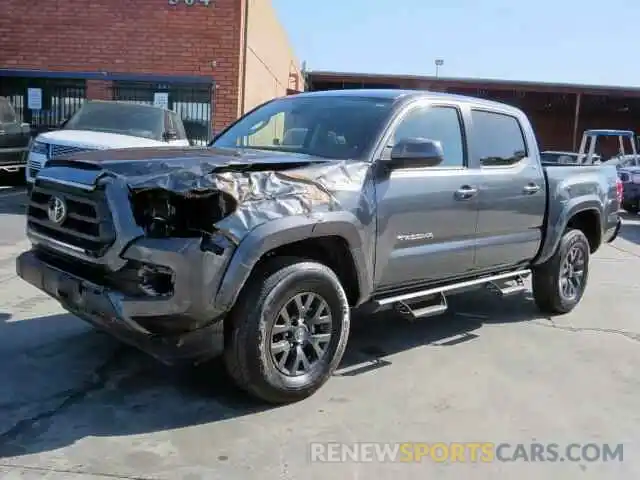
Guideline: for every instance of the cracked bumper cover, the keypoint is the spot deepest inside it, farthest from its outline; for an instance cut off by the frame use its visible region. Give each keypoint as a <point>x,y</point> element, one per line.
<point>192,324</point>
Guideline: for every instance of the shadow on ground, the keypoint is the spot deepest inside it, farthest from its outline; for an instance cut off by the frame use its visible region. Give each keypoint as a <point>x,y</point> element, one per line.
<point>13,201</point>
<point>63,381</point>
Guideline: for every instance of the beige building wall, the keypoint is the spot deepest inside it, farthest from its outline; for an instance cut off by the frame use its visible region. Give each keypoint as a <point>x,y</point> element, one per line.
<point>270,67</point>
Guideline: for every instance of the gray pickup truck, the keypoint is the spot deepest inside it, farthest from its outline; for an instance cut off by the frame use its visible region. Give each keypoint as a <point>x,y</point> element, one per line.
<point>260,246</point>
<point>15,137</point>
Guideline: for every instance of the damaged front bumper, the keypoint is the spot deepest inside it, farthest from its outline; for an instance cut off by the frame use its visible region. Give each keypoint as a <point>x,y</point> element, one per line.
<point>182,325</point>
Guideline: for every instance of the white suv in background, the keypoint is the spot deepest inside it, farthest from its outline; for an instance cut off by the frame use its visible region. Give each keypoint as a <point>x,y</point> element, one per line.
<point>101,125</point>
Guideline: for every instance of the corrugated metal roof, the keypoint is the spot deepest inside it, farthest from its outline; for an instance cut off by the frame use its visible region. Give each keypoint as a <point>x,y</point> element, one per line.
<point>473,82</point>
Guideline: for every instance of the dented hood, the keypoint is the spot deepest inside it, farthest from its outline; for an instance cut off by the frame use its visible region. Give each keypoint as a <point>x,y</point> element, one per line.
<point>180,169</point>
<point>261,185</point>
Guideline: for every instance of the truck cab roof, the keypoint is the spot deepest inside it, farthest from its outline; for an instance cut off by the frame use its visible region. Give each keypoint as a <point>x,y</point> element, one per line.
<point>405,95</point>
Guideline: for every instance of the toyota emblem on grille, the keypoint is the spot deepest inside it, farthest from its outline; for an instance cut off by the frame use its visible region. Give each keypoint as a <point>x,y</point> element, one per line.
<point>57,211</point>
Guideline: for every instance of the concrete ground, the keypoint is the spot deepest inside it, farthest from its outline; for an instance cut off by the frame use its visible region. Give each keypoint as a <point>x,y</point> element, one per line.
<point>74,404</point>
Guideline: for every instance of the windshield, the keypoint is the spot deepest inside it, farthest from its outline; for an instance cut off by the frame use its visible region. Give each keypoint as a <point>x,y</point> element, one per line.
<point>121,118</point>
<point>337,127</point>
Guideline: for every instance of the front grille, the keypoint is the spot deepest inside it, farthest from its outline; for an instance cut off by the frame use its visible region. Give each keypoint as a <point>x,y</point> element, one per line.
<point>56,151</point>
<point>50,151</point>
<point>87,225</point>
<point>33,165</point>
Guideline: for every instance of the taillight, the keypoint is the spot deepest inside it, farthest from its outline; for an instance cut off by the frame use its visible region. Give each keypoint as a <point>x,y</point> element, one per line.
<point>619,190</point>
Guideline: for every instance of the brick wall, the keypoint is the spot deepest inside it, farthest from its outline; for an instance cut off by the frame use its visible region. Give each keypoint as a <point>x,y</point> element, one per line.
<point>128,36</point>
<point>98,90</point>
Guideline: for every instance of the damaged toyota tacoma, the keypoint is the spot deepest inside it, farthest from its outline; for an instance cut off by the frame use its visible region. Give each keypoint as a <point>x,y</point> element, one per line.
<point>258,247</point>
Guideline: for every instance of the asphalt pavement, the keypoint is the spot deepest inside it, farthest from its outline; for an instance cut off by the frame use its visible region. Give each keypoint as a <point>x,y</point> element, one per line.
<point>75,404</point>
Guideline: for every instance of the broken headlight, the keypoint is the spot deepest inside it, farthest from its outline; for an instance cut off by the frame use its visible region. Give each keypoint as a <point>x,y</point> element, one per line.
<point>164,214</point>
<point>158,218</point>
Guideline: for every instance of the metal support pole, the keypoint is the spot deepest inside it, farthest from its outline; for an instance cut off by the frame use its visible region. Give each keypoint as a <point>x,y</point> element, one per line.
<point>576,118</point>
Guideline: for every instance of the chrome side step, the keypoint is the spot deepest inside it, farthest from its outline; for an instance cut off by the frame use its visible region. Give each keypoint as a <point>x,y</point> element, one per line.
<point>508,287</point>
<point>415,296</point>
<point>427,307</point>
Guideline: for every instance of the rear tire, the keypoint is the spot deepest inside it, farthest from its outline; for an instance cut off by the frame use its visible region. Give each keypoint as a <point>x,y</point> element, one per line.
<point>560,283</point>
<point>259,336</point>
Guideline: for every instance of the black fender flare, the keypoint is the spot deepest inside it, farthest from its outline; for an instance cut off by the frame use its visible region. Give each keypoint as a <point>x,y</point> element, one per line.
<point>280,232</point>
<point>555,228</point>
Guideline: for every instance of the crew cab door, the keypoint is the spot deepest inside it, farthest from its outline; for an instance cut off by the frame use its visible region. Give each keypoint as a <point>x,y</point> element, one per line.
<point>512,197</point>
<point>426,215</point>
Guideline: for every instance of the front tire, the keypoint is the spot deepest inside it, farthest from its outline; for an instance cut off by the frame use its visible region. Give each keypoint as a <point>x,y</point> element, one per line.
<point>288,330</point>
<point>559,284</point>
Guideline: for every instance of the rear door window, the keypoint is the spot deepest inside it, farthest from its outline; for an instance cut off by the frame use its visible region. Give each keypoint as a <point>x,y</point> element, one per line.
<point>498,139</point>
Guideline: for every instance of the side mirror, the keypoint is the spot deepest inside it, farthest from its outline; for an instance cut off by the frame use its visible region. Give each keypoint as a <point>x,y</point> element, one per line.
<point>170,135</point>
<point>416,152</point>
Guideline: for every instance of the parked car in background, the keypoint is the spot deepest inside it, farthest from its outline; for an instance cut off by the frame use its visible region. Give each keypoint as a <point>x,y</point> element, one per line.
<point>307,207</point>
<point>564,158</point>
<point>624,161</point>
<point>629,174</point>
<point>589,144</point>
<point>15,137</point>
<point>103,125</point>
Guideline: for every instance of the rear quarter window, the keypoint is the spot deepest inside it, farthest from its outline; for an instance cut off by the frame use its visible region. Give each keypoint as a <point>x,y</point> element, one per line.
<point>498,139</point>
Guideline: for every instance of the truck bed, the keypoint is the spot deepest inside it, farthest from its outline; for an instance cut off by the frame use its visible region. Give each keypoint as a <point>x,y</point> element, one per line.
<point>588,176</point>
<point>573,188</point>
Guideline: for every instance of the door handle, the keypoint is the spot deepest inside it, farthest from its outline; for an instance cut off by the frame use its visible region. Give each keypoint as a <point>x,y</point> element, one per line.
<point>466,192</point>
<point>531,189</point>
